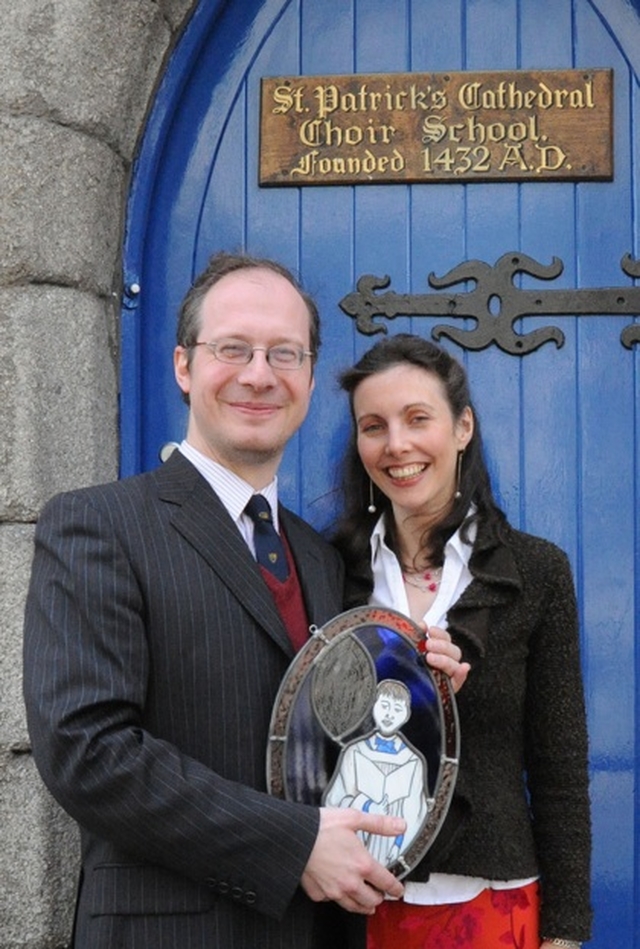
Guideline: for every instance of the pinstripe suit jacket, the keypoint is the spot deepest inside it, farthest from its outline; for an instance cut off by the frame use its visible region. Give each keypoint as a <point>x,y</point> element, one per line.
<point>153,654</point>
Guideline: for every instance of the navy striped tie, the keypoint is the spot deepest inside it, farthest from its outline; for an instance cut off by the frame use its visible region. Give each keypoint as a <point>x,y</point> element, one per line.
<point>269,548</point>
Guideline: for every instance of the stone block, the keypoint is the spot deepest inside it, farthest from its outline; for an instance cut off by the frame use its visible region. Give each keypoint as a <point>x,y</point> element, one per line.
<point>61,200</point>
<point>39,859</point>
<point>177,12</point>
<point>86,64</point>
<point>59,392</point>
<point>39,847</point>
<point>16,551</point>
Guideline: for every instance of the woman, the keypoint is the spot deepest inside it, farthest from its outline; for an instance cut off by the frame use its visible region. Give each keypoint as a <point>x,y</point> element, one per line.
<point>422,533</point>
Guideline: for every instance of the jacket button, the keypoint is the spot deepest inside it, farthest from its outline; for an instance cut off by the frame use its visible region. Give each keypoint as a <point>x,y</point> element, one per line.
<point>237,893</point>
<point>212,882</point>
<point>250,897</point>
<point>223,888</point>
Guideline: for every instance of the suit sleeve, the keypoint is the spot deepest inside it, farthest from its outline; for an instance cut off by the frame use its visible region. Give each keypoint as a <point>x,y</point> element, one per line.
<point>86,674</point>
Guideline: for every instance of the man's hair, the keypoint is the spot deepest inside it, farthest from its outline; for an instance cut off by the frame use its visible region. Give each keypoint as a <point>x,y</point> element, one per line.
<point>219,266</point>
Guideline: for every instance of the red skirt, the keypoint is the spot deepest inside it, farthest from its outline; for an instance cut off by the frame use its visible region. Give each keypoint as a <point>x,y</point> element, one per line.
<point>495,919</point>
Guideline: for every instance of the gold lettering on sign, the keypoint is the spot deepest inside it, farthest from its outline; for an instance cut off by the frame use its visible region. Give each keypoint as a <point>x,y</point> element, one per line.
<point>419,127</point>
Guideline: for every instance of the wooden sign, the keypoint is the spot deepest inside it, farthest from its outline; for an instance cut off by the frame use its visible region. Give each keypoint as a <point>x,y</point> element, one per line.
<point>424,127</point>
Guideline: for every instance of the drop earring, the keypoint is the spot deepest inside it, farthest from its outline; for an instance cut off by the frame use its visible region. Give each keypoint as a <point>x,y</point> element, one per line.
<point>372,504</point>
<point>458,492</point>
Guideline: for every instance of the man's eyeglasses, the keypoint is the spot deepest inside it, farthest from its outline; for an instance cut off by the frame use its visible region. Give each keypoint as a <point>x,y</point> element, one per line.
<point>237,352</point>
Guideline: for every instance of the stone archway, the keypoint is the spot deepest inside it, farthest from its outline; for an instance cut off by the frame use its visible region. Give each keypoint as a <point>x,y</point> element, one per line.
<point>77,77</point>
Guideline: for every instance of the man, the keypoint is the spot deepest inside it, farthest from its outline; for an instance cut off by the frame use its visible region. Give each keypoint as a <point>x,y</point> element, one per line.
<point>155,645</point>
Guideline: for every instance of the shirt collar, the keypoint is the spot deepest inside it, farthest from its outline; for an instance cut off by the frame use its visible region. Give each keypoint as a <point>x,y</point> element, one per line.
<point>390,591</point>
<point>233,491</point>
<point>455,545</point>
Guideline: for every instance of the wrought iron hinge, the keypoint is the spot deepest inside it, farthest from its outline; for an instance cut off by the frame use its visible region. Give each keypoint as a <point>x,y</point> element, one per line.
<point>495,303</point>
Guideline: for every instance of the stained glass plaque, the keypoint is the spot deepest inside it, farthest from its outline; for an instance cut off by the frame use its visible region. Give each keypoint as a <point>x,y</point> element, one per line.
<point>362,721</point>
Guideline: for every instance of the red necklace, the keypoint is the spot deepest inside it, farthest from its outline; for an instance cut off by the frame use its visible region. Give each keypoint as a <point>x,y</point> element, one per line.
<point>427,580</point>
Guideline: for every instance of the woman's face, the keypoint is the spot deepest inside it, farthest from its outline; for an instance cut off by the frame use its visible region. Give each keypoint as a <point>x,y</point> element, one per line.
<point>408,440</point>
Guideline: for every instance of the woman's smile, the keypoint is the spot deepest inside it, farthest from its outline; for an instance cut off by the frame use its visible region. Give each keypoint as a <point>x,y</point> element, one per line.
<point>406,472</point>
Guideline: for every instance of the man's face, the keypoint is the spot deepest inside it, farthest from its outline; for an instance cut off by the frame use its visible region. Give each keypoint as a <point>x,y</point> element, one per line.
<point>243,416</point>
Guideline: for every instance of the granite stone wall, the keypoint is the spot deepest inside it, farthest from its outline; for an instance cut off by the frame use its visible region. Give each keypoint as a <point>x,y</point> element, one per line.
<point>76,80</point>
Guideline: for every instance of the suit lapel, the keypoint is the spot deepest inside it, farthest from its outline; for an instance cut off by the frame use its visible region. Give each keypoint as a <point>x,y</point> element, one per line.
<point>201,518</point>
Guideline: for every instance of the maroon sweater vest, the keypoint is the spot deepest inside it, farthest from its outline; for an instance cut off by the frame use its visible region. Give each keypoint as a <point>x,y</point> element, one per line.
<point>289,601</point>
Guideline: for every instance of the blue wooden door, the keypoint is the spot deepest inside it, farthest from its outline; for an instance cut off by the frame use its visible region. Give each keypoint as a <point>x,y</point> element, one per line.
<point>562,424</point>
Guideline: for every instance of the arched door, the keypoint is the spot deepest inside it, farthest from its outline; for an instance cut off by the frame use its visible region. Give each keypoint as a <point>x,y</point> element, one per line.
<point>561,422</point>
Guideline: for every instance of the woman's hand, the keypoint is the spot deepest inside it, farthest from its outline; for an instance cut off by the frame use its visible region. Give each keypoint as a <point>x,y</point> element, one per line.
<point>442,654</point>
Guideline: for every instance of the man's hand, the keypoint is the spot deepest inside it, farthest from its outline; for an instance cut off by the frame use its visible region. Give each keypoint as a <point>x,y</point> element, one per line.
<point>444,655</point>
<point>340,868</point>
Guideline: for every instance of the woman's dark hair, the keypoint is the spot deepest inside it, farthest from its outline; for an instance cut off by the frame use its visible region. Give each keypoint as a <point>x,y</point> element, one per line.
<point>354,528</point>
